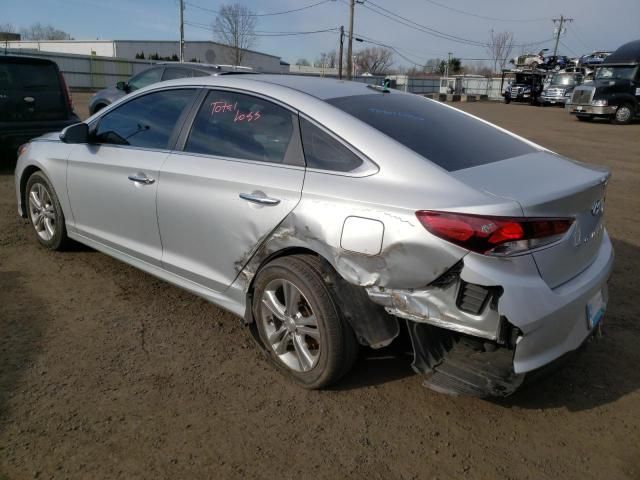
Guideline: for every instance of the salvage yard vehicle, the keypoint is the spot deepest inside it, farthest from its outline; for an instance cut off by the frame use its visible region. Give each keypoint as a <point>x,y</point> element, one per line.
<point>594,59</point>
<point>161,71</point>
<point>330,215</point>
<point>530,60</point>
<point>34,99</point>
<point>615,90</point>
<point>526,86</point>
<point>560,88</point>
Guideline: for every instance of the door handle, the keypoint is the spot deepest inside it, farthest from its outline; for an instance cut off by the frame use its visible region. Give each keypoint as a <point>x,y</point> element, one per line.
<point>141,178</point>
<point>259,199</point>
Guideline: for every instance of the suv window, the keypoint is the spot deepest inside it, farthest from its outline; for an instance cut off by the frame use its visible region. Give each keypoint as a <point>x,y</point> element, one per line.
<point>171,73</point>
<point>241,126</point>
<point>445,136</point>
<point>146,121</point>
<point>324,152</point>
<point>145,78</point>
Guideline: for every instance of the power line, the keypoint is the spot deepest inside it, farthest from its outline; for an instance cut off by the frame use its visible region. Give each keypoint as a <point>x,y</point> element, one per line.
<point>263,33</point>
<point>433,32</point>
<point>509,20</point>
<point>211,10</point>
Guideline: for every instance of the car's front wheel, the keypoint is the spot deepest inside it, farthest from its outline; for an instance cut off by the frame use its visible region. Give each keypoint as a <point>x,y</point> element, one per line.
<point>300,324</point>
<point>45,213</point>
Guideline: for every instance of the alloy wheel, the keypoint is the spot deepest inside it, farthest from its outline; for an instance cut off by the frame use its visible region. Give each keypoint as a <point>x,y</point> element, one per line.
<point>42,212</point>
<point>290,325</point>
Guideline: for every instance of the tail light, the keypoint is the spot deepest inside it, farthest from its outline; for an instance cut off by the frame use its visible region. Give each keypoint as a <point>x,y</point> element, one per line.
<point>494,235</point>
<point>67,92</point>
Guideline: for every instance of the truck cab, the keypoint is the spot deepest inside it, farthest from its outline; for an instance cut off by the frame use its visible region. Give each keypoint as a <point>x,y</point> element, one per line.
<point>524,86</point>
<point>560,88</point>
<point>615,90</point>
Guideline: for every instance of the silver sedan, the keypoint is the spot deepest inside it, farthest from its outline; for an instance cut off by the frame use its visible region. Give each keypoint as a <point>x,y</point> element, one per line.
<point>330,215</point>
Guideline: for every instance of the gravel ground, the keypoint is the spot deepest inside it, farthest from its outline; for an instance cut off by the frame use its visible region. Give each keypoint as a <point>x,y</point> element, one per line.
<point>106,372</point>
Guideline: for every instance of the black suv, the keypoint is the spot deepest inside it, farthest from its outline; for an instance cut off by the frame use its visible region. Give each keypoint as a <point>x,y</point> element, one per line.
<point>34,100</point>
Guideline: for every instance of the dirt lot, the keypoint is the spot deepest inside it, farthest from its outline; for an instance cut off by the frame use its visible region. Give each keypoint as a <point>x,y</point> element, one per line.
<point>106,372</point>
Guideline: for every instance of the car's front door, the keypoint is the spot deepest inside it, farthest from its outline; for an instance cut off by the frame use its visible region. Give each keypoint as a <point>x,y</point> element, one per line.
<point>239,176</point>
<point>112,182</point>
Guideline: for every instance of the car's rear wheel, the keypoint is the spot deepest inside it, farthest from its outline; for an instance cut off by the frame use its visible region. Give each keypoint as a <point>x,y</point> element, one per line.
<point>45,213</point>
<point>300,323</point>
<point>624,114</point>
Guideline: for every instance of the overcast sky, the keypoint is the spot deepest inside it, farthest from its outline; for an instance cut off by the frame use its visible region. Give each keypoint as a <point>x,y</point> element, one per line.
<point>598,24</point>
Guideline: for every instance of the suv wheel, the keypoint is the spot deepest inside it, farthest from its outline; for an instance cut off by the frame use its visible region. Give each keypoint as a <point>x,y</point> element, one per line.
<point>624,114</point>
<point>300,324</point>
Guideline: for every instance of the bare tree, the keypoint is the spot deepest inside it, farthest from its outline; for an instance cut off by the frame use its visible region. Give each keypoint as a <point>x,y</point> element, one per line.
<point>302,62</point>
<point>375,60</point>
<point>500,47</point>
<point>38,31</point>
<point>235,26</point>
<point>8,28</point>
<point>327,60</point>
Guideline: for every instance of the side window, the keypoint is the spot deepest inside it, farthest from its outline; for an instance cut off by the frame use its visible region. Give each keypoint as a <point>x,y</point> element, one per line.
<point>241,126</point>
<point>324,152</point>
<point>171,73</point>
<point>145,78</point>
<point>146,121</point>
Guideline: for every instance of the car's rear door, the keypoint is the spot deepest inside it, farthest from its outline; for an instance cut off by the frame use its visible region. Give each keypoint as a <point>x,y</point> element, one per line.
<point>112,182</point>
<point>31,90</point>
<point>239,175</point>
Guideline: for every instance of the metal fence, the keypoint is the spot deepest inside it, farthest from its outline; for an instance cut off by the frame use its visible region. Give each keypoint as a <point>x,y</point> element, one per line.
<point>87,71</point>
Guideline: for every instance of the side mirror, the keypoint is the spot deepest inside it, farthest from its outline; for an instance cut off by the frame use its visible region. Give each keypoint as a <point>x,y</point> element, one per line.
<point>124,86</point>
<point>76,133</point>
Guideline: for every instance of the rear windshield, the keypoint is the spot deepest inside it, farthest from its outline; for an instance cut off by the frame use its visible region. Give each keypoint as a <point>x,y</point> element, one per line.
<point>28,76</point>
<point>445,136</point>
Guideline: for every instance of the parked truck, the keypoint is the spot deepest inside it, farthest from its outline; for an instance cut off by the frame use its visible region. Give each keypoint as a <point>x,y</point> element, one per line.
<point>615,90</point>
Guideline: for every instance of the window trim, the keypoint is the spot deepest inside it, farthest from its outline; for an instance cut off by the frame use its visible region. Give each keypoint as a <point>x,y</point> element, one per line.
<point>190,121</point>
<point>366,169</point>
<point>175,132</point>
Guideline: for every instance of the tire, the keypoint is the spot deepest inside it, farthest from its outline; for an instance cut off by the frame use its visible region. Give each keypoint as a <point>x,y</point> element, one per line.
<point>314,354</point>
<point>584,118</point>
<point>533,65</point>
<point>624,114</point>
<point>45,213</point>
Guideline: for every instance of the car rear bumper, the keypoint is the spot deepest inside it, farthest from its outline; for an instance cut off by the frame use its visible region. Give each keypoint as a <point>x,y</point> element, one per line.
<point>589,110</point>
<point>550,322</point>
<point>562,323</point>
<point>14,134</point>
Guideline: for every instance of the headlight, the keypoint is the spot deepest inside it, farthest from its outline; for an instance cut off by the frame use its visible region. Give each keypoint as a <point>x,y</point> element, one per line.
<point>599,103</point>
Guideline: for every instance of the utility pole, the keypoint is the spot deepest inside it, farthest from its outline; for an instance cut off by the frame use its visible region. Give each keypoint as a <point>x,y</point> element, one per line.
<point>181,31</point>
<point>446,67</point>
<point>352,5</point>
<point>340,55</point>
<point>561,22</point>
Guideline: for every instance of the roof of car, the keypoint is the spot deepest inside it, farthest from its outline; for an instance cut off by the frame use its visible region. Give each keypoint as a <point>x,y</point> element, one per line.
<point>319,87</point>
<point>208,66</point>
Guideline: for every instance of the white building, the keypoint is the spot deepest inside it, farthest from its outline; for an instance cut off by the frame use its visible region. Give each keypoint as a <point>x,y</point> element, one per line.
<point>203,51</point>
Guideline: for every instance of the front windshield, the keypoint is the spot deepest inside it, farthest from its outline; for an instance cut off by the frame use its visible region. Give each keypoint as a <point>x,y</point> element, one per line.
<point>616,73</point>
<point>563,79</point>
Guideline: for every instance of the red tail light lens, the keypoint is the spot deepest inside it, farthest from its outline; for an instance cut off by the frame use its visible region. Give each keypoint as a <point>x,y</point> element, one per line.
<point>494,235</point>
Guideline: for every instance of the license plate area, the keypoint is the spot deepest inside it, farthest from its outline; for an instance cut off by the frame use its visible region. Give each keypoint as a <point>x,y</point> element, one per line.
<point>595,310</point>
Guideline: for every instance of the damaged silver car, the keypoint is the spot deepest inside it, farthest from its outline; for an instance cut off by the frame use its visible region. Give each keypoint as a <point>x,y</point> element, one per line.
<point>331,214</point>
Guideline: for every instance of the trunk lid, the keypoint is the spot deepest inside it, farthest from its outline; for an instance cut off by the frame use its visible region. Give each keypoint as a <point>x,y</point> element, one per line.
<point>30,90</point>
<point>548,185</point>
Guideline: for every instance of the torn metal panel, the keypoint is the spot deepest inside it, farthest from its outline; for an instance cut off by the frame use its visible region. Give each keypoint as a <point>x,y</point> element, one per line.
<point>438,306</point>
